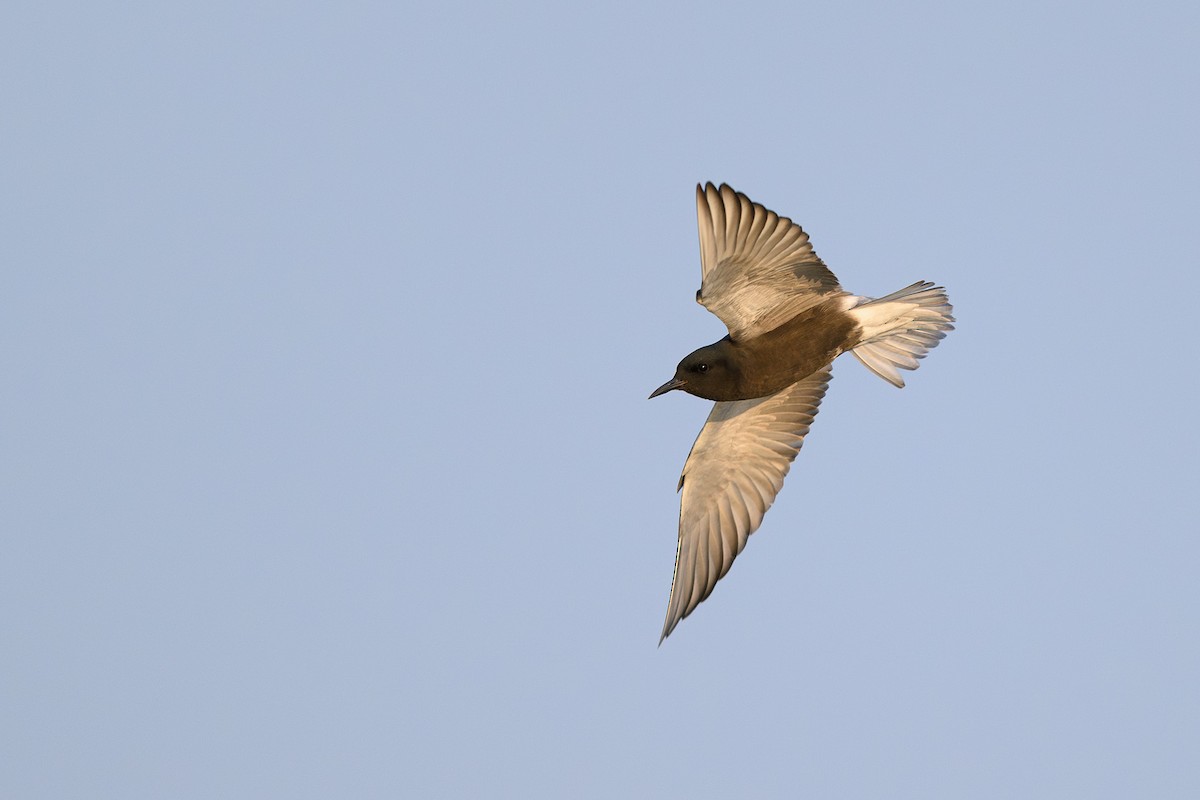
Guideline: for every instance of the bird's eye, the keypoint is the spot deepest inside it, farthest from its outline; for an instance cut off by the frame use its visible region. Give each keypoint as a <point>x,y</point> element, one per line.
<point>702,368</point>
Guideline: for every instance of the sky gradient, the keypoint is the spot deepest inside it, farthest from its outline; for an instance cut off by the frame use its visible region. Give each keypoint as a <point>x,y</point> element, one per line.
<point>327,332</point>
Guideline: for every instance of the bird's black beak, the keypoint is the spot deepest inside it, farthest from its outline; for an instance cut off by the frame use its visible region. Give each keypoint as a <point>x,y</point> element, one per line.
<point>674,383</point>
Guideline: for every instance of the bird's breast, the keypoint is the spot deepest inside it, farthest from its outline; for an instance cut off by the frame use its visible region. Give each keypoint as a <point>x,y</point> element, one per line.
<point>793,351</point>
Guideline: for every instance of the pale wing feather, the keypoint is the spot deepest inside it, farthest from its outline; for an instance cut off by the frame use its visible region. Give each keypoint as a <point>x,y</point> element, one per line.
<point>759,269</point>
<point>731,477</point>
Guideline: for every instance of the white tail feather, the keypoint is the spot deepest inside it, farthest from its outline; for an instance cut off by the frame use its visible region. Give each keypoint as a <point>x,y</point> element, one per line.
<point>901,328</point>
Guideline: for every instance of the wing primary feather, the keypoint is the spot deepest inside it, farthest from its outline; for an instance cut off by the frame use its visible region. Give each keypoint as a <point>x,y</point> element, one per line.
<point>730,479</point>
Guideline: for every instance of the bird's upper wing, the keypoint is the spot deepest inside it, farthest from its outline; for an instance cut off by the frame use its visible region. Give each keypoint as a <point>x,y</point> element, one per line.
<point>759,269</point>
<point>730,479</point>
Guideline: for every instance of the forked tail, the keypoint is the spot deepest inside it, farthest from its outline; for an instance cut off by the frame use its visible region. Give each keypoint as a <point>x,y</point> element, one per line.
<point>901,328</point>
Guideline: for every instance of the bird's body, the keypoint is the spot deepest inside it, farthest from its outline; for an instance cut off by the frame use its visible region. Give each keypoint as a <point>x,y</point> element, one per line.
<point>778,358</point>
<point>788,319</point>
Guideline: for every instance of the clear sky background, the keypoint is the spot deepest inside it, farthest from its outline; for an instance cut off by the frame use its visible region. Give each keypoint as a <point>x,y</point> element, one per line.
<point>328,469</point>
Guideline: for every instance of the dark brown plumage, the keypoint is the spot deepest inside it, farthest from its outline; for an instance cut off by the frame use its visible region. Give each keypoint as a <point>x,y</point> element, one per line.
<point>762,365</point>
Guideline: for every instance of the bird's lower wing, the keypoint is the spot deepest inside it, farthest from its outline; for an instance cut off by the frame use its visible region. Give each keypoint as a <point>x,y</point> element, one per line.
<point>730,479</point>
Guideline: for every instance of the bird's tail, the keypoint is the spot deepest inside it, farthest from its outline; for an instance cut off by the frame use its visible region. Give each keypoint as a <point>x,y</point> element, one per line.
<point>901,328</point>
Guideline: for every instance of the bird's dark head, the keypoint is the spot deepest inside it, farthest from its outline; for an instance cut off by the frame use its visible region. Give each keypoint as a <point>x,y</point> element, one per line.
<point>708,372</point>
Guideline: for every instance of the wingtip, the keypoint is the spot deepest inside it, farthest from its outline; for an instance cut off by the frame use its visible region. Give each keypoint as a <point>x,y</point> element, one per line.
<point>671,619</point>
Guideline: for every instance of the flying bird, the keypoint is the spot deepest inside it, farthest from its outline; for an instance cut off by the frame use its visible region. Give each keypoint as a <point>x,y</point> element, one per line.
<point>788,319</point>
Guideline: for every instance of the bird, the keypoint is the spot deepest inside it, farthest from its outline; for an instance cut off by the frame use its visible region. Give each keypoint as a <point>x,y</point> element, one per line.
<point>788,319</point>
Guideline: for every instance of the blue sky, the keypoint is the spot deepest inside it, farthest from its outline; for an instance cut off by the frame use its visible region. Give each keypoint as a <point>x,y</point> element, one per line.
<point>328,466</point>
